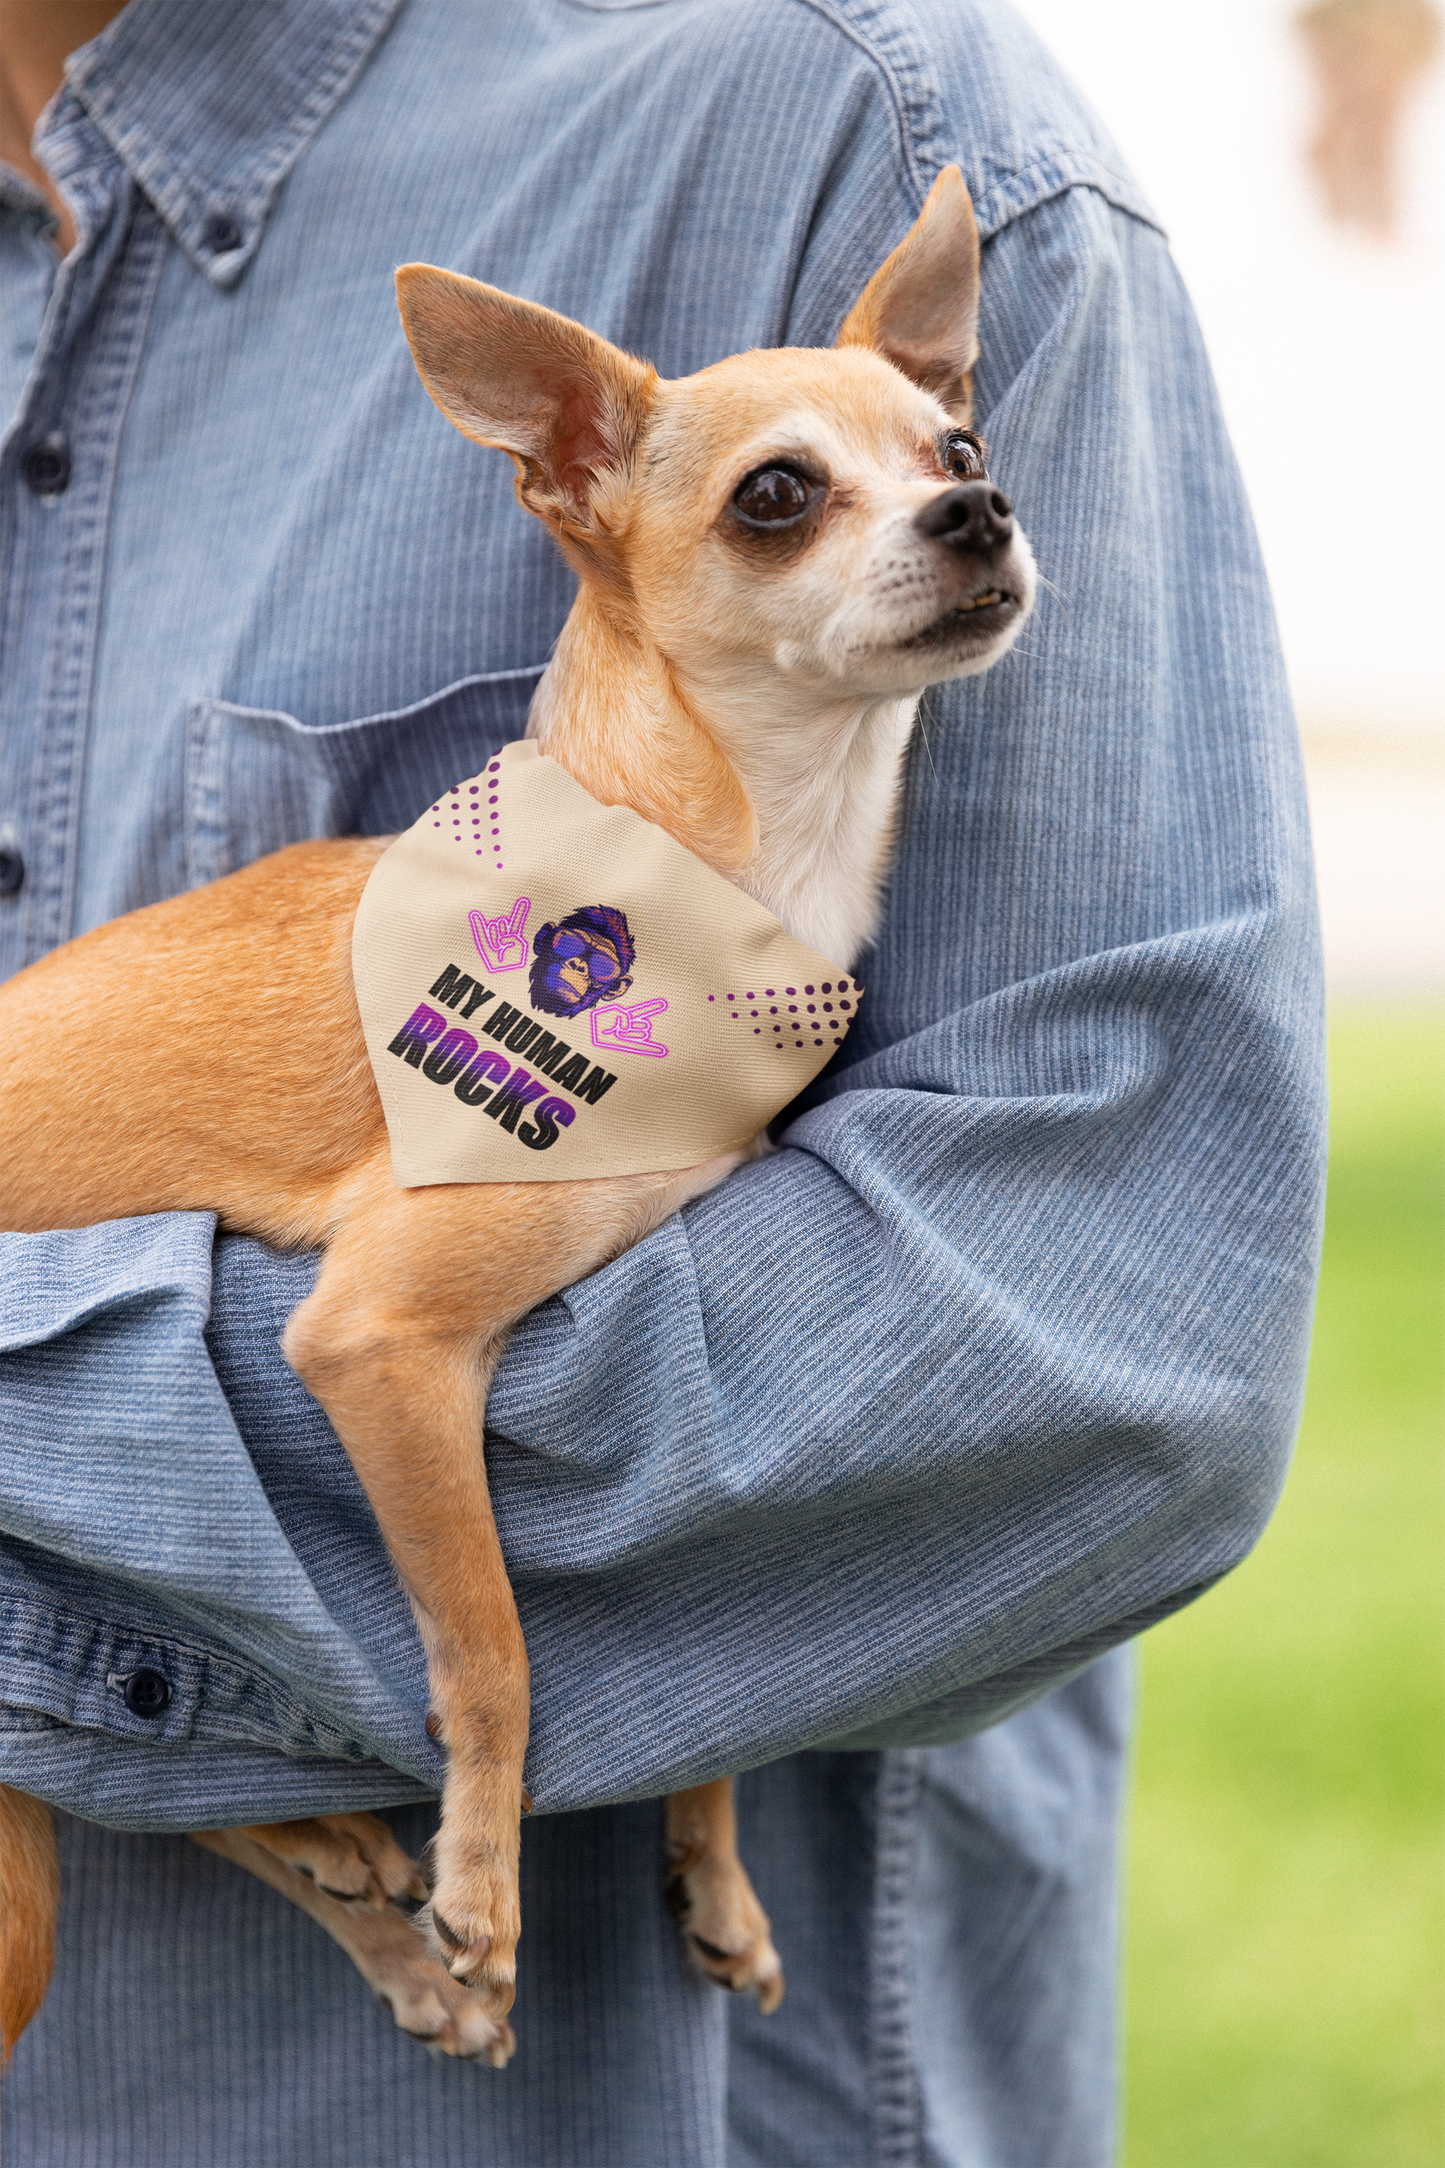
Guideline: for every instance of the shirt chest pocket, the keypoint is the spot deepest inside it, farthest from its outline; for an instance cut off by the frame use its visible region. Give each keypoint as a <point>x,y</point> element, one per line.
<point>257,779</point>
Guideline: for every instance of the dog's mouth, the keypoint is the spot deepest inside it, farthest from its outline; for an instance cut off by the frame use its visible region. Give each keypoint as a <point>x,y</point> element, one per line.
<point>991,599</point>
<point>977,616</point>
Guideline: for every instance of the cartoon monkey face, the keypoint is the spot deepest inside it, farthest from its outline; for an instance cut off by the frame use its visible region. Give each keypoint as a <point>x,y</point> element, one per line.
<point>581,960</point>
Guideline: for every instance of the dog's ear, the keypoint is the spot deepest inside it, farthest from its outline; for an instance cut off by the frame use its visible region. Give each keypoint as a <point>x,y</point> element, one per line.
<point>566,405</point>
<point>920,308</point>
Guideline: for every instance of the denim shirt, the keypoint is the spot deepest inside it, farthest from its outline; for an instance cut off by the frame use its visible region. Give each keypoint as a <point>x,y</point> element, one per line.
<point>1000,1357</point>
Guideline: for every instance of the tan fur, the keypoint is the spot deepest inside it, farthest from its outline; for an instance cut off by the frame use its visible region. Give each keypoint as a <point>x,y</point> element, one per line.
<point>380,1941</point>
<point>29,1902</point>
<point>353,1857</point>
<point>920,308</point>
<point>759,708</point>
<point>728,1934</point>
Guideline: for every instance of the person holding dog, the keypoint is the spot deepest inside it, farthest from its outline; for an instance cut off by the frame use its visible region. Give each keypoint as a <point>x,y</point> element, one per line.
<point>860,1474</point>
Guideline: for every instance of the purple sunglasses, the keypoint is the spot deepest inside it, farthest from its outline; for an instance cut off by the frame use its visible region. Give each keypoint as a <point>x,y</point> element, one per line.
<point>600,967</point>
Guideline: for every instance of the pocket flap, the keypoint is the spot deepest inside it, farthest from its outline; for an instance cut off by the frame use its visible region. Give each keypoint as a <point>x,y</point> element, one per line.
<point>257,779</point>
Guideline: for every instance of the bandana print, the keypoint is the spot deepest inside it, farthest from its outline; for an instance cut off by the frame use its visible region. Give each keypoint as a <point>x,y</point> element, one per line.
<point>553,989</point>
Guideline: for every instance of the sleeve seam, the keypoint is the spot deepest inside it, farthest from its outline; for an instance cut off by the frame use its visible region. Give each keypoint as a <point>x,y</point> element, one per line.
<point>1009,192</point>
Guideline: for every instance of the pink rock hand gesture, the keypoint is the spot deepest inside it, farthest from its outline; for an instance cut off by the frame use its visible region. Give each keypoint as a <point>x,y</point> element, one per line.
<point>628,1030</point>
<point>498,938</point>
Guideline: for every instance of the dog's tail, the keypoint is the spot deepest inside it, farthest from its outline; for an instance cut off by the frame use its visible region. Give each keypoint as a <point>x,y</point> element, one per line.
<point>29,1903</point>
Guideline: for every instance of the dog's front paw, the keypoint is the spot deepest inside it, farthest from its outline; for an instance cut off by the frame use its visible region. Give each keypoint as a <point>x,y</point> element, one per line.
<point>474,1919</point>
<point>725,1930</point>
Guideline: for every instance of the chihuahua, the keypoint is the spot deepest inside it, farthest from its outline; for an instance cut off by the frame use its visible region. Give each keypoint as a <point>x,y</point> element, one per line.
<point>776,557</point>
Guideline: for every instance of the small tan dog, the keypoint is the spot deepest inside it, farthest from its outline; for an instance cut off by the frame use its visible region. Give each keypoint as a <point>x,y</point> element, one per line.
<point>776,557</point>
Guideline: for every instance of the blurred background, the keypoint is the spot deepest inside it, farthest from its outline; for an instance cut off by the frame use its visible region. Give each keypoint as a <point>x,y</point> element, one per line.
<point>1286,1941</point>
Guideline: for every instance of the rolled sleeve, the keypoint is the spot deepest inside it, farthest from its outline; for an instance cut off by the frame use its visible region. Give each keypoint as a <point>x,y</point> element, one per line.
<point>138,1538</point>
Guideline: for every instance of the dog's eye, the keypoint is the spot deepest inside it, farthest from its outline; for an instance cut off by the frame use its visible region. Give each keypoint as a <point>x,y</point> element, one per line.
<point>963,455</point>
<point>773,497</point>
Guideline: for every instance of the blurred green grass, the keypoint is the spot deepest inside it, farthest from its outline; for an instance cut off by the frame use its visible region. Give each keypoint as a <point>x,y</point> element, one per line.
<point>1286,1935</point>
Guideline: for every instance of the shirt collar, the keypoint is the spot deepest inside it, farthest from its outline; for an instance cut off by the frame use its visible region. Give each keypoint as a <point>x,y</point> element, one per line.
<point>210,105</point>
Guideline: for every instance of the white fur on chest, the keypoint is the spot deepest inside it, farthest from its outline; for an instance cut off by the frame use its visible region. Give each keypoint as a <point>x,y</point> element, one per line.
<point>826,797</point>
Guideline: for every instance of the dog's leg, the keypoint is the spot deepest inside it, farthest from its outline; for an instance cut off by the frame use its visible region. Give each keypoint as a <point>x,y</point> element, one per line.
<point>398,1341</point>
<point>726,1930</point>
<point>406,1400</point>
<point>350,1856</point>
<point>29,1905</point>
<point>382,1943</point>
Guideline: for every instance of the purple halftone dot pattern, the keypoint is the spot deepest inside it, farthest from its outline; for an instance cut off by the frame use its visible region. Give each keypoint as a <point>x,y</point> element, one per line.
<point>776,1035</point>
<point>494,814</point>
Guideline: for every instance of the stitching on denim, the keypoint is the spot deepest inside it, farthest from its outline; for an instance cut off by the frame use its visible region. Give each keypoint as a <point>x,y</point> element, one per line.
<point>124,283</point>
<point>281,1724</point>
<point>908,136</point>
<point>893,2073</point>
<point>182,194</point>
<point>1028,188</point>
<point>414,711</point>
<point>1009,193</point>
<point>201,824</point>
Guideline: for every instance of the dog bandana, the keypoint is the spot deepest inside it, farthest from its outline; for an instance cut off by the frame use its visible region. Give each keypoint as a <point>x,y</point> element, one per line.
<point>551,988</point>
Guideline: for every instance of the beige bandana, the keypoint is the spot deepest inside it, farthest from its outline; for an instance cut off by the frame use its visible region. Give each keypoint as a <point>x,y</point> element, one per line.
<point>551,988</point>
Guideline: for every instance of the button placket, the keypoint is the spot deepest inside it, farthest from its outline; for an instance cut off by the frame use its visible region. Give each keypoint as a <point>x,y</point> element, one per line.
<point>59,516</point>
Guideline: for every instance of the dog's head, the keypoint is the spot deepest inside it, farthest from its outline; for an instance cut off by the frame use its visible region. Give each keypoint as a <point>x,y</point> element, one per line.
<point>820,517</point>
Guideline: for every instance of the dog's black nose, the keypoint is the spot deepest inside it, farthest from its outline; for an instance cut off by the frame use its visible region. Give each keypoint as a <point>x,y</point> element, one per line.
<point>975,517</point>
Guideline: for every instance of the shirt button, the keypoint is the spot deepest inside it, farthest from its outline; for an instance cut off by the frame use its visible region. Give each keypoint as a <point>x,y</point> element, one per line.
<point>222,234</point>
<point>147,1693</point>
<point>12,871</point>
<point>46,468</point>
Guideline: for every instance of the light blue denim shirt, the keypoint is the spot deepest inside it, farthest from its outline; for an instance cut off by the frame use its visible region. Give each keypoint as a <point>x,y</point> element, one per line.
<point>1000,1358</point>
